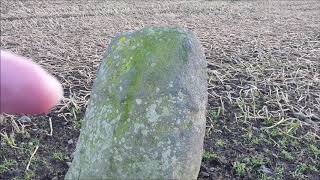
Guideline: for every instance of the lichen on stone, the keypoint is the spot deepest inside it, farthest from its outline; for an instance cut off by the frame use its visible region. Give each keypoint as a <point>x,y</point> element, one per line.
<point>142,120</point>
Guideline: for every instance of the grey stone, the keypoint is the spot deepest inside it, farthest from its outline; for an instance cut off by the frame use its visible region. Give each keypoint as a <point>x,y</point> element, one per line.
<point>69,164</point>
<point>146,115</point>
<point>266,170</point>
<point>72,155</point>
<point>205,174</point>
<point>70,141</point>
<point>212,169</point>
<point>24,119</point>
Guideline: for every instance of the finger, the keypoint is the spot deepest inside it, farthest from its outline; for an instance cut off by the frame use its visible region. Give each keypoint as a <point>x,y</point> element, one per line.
<point>26,87</point>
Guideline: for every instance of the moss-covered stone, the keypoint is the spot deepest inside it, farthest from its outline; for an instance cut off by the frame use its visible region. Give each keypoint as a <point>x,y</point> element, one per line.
<point>146,115</point>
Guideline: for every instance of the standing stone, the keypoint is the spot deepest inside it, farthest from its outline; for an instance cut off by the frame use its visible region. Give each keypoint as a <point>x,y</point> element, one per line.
<point>146,115</point>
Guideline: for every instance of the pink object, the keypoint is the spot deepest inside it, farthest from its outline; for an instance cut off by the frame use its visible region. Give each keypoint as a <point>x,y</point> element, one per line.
<point>26,87</point>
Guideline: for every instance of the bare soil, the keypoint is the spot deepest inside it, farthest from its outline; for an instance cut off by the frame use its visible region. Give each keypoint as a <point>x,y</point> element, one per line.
<point>264,80</point>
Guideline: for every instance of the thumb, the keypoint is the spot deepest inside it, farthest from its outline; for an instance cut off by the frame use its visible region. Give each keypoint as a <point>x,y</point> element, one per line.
<point>26,87</point>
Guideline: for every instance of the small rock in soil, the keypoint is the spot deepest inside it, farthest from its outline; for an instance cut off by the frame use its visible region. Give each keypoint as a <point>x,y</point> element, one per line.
<point>228,87</point>
<point>266,170</point>
<point>24,119</point>
<point>70,141</point>
<point>204,174</point>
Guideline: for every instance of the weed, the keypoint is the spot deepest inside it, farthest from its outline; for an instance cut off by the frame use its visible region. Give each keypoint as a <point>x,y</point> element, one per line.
<point>239,168</point>
<point>291,127</point>
<point>29,175</point>
<point>7,165</point>
<point>77,123</point>
<point>264,177</point>
<point>287,155</point>
<point>220,142</point>
<point>275,133</point>
<point>59,156</point>
<point>256,161</point>
<point>214,115</point>
<point>255,141</point>
<point>279,171</point>
<point>314,150</point>
<point>270,121</point>
<point>209,155</point>
<point>9,139</point>
<point>300,170</point>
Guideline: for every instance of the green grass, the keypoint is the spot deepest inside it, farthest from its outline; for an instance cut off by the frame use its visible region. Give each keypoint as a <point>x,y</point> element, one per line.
<point>314,150</point>
<point>220,142</point>
<point>29,175</point>
<point>209,155</point>
<point>59,156</point>
<point>7,165</point>
<point>287,155</point>
<point>239,168</point>
<point>214,115</point>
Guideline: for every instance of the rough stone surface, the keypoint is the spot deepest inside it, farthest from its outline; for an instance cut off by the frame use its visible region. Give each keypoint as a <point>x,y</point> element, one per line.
<point>146,115</point>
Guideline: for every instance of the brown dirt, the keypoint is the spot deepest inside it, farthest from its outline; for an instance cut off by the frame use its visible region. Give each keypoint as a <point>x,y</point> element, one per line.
<point>264,80</point>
